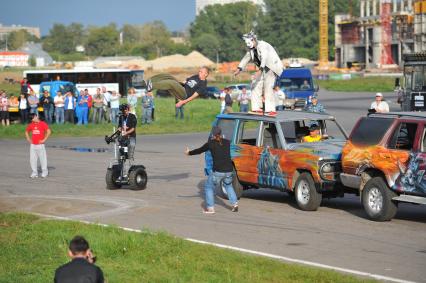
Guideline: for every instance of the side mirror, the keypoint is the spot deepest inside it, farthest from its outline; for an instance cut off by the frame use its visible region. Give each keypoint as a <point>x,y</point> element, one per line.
<point>316,88</point>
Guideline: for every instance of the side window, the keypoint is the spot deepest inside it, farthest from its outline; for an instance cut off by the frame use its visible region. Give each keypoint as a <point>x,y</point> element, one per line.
<point>248,132</point>
<point>403,137</point>
<point>270,136</point>
<point>423,147</point>
<point>289,131</point>
<point>227,127</point>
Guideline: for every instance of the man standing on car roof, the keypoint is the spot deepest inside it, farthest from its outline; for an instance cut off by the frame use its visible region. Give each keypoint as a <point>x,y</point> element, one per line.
<point>264,56</point>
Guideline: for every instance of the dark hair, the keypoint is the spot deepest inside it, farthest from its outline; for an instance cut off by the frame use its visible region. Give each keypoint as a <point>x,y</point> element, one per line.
<point>78,245</point>
<point>32,115</point>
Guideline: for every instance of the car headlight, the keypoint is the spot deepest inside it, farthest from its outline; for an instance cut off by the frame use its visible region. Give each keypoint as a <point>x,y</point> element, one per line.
<point>330,170</point>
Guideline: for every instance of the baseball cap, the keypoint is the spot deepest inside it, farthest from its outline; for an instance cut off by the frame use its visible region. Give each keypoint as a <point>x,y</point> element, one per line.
<point>313,127</point>
<point>216,131</point>
<point>379,94</point>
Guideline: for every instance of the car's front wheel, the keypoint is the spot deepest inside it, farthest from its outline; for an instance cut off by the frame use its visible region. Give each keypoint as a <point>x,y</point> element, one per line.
<point>307,197</point>
<point>377,200</point>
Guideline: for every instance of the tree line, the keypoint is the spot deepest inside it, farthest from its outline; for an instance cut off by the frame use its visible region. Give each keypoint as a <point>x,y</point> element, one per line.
<point>290,26</point>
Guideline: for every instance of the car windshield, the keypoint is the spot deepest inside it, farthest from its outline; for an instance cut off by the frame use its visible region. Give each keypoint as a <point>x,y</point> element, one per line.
<point>370,130</point>
<point>296,84</point>
<point>240,87</point>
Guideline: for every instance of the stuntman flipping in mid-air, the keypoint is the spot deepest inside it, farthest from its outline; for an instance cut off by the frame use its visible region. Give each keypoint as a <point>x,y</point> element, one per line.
<point>264,56</point>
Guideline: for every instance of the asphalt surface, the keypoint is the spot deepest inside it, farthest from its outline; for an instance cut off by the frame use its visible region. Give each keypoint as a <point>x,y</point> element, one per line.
<point>338,234</point>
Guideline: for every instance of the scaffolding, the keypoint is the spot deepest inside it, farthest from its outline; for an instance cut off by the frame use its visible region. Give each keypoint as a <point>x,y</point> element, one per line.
<point>323,34</point>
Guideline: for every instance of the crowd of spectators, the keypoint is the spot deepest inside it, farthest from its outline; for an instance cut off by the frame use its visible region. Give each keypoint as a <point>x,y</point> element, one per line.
<point>79,108</point>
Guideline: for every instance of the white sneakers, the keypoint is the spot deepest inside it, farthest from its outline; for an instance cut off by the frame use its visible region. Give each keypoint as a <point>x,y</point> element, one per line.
<point>33,176</point>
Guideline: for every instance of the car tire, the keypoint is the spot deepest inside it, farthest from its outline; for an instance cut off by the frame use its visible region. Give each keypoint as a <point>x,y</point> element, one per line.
<point>377,200</point>
<point>306,195</point>
<point>111,179</point>
<point>238,188</point>
<point>138,179</point>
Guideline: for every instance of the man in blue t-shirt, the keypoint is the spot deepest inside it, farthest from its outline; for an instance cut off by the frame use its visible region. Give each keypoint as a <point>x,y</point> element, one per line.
<point>183,92</point>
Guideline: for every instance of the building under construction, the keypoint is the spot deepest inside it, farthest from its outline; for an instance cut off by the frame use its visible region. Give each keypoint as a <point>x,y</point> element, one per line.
<point>384,31</point>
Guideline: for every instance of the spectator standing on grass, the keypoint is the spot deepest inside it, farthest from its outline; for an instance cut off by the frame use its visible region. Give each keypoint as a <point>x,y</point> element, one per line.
<point>379,105</point>
<point>279,98</point>
<point>83,107</point>
<point>115,106</point>
<point>89,103</point>
<point>25,86</point>
<point>244,100</point>
<point>228,101</point>
<point>69,106</point>
<point>33,101</point>
<point>40,132</point>
<point>132,100</point>
<point>23,108</point>
<point>107,104</point>
<point>98,107</point>
<point>222,169</point>
<point>48,107</point>
<point>179,111</point>
<point>4,109</point>
<point>82,266</point>
<point>147,104</point>
<point>222,101</point>
<point>59,108</point>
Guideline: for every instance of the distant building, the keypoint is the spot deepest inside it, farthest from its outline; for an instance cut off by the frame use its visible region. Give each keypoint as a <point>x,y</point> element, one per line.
<point>4,30</point>
<point>14,59</point>
<point>201,4</point>
<point>384,31</point>
<point>35,50</point>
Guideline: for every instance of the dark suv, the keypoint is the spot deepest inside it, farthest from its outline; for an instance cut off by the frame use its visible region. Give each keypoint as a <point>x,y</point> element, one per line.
<point>267,152</point>
<point>385,159</point>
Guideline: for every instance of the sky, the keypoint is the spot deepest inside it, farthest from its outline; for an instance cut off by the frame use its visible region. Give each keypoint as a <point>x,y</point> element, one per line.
<point>176,14</point>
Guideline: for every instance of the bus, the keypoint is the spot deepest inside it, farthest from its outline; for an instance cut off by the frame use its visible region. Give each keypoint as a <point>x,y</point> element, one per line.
<point>119,80</point>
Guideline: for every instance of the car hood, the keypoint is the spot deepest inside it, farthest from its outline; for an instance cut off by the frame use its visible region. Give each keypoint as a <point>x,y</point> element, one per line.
<point>328,149</point>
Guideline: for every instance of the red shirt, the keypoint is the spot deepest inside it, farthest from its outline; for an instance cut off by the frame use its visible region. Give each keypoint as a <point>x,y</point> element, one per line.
<point>38,131</point>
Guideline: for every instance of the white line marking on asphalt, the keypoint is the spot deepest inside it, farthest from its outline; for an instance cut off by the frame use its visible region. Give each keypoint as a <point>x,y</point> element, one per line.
<point>282,258</point>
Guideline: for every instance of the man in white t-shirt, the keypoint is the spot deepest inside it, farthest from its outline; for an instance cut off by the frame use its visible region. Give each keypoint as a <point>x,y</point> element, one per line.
<point>107,104</point>
<point>379,105</point>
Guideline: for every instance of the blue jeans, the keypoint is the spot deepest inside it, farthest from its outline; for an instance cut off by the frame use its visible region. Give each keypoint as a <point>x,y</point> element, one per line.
<point>212,181</point>
<point>244,107</point>
<point>114,113</point>
<point>59,115</point>
<point>146,115</point>
<point>179,111</point>
<point>48,114</point>
<point>34,110</point>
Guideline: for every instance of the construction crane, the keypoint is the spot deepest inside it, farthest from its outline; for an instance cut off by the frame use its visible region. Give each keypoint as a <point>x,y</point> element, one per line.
<point>323,34</point>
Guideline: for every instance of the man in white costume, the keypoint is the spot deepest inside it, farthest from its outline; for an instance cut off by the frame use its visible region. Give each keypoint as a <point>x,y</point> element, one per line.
<point>264,56</point>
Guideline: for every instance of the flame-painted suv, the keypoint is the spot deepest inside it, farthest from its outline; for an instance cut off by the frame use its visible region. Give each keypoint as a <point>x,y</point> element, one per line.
<point>385,159</point>
<point>267,152</point>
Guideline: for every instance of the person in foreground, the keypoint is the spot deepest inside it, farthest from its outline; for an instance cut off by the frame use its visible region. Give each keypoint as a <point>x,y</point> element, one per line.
<point>184,92</point>
<point>81,269</point>
<point>222,169</point>
<point>40,132</point>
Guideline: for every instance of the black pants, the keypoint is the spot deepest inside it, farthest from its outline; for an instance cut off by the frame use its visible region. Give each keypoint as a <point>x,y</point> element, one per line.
<point>24,115</point>
<point>69,116</point>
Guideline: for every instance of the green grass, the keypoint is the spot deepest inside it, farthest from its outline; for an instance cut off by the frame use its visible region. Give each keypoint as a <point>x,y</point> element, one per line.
<point>199,115</point>
<point>32,248</point>
<point>369,84</point>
